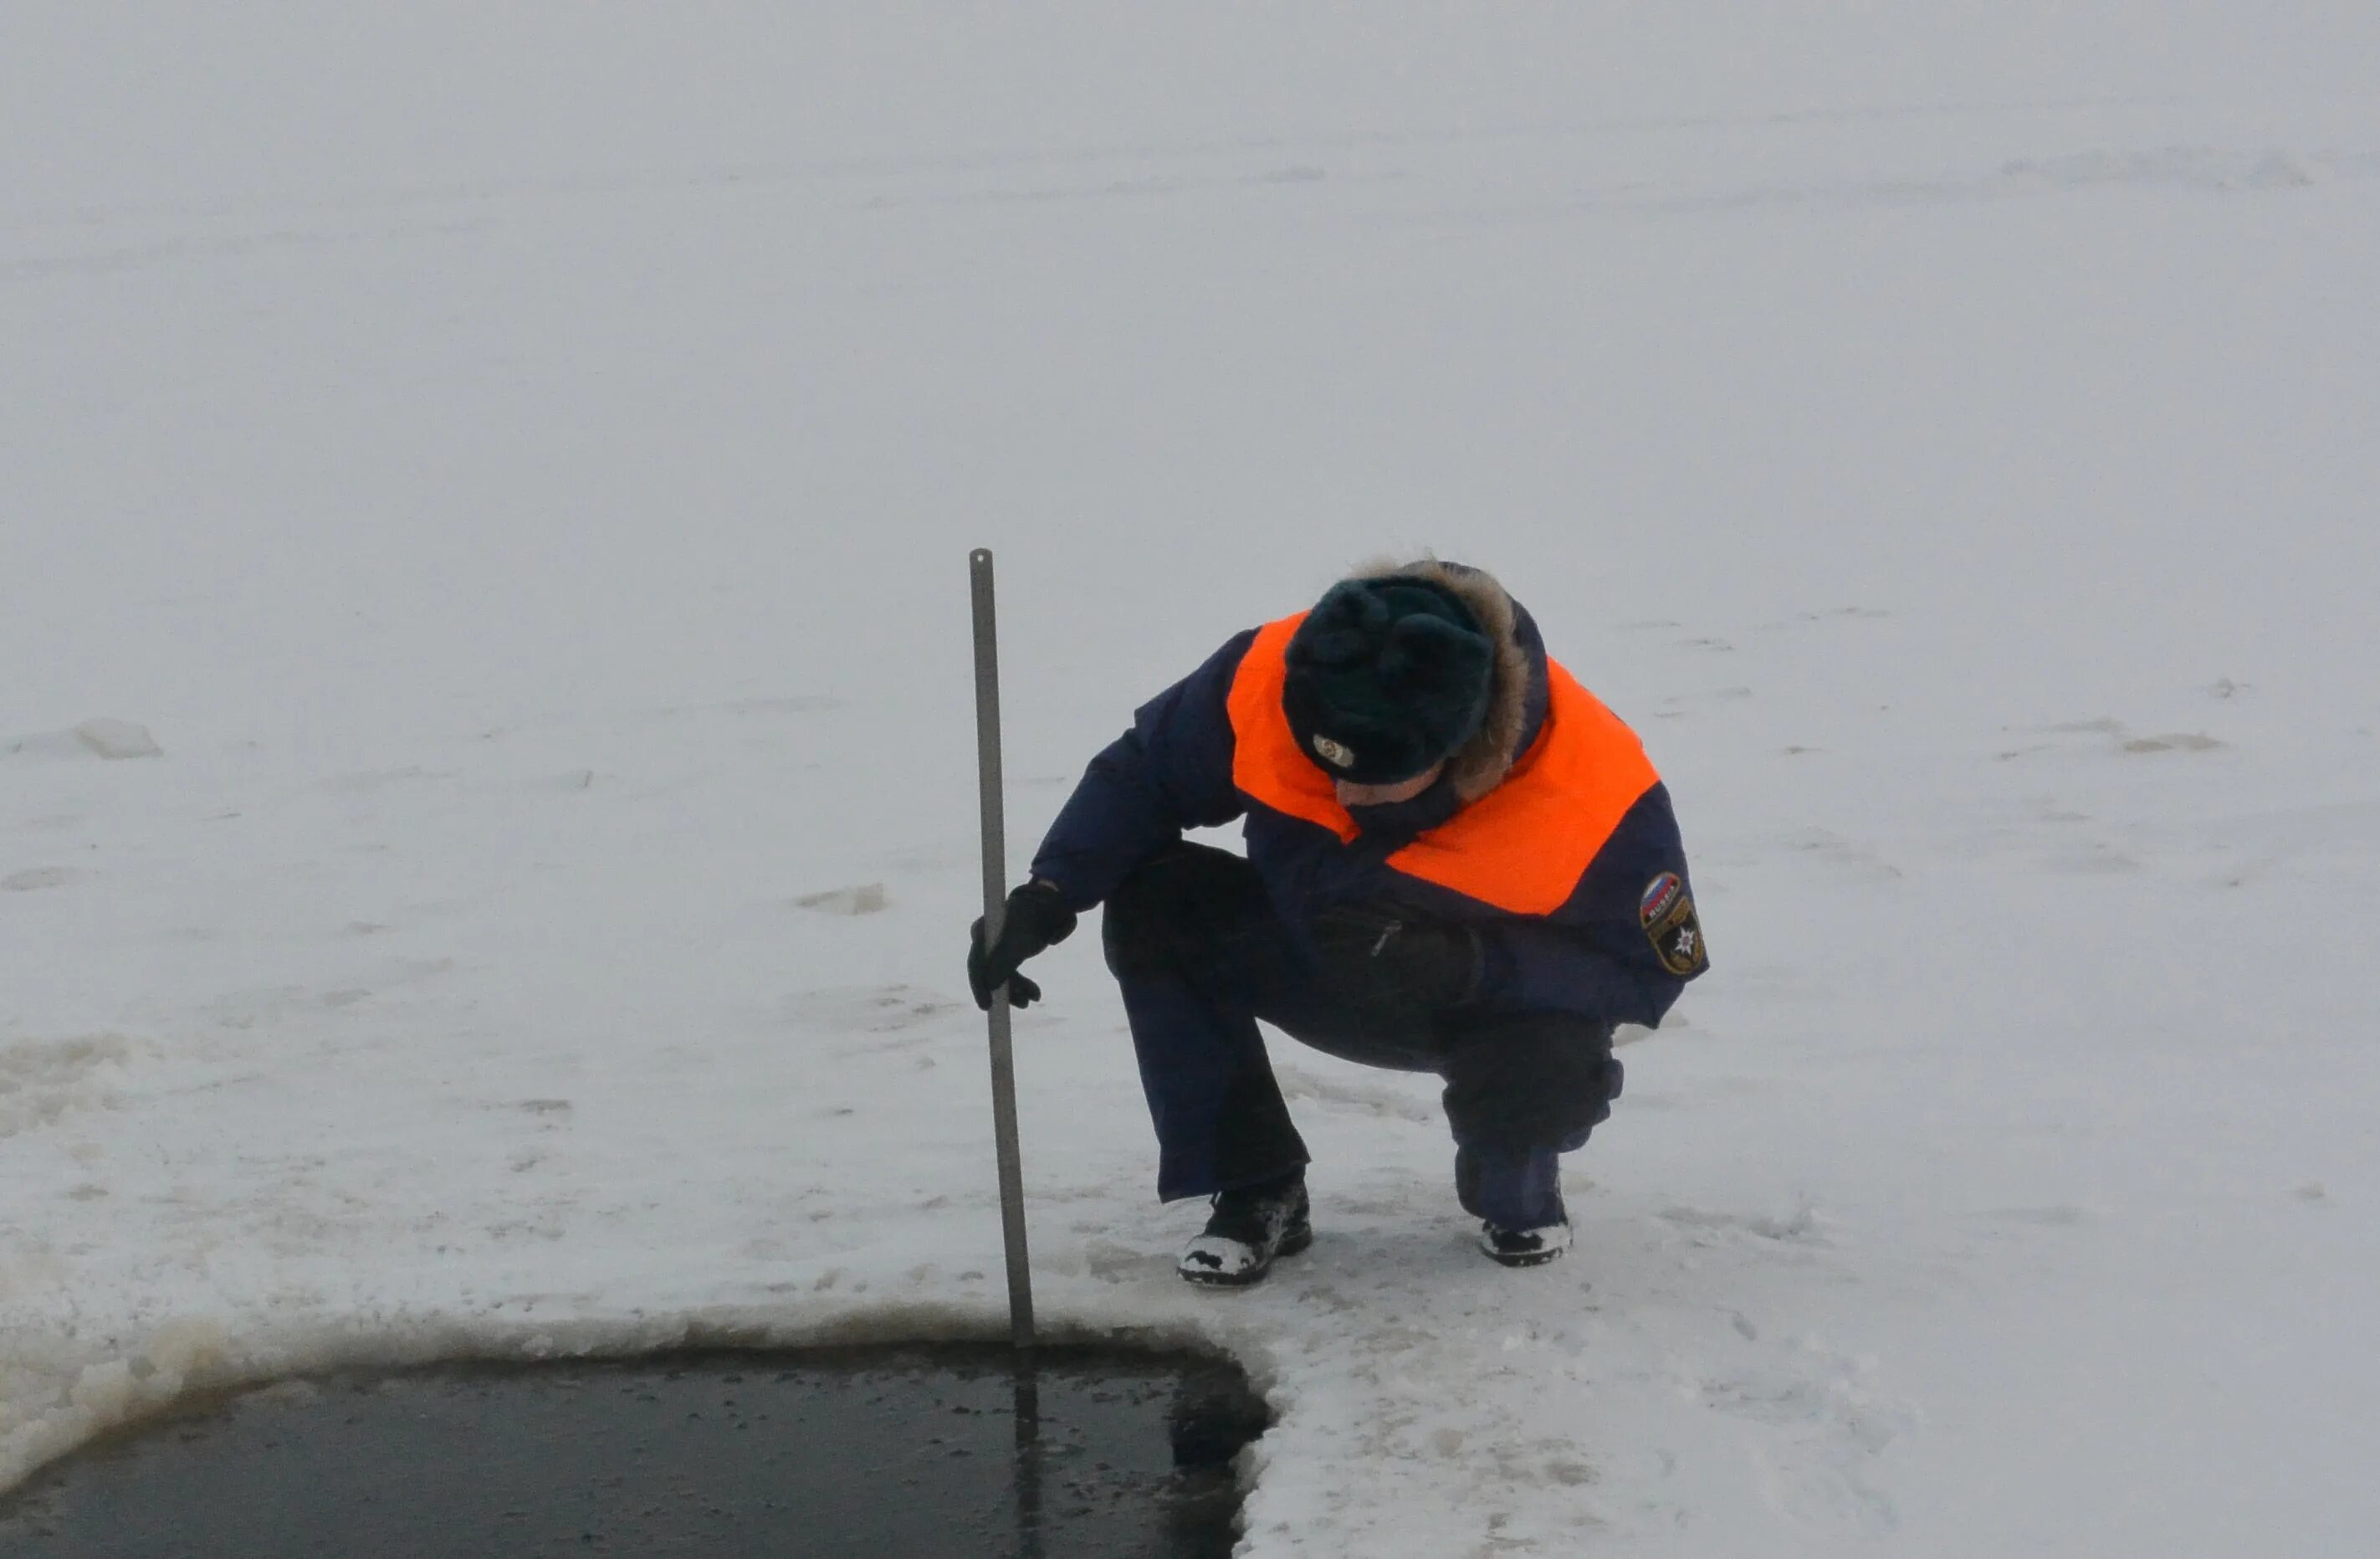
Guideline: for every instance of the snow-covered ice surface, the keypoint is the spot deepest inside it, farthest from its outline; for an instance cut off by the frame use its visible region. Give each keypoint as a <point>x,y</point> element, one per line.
<point>504,472</point>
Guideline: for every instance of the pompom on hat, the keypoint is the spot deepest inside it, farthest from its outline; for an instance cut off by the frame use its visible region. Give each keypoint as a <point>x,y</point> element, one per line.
<point>1387,676</point>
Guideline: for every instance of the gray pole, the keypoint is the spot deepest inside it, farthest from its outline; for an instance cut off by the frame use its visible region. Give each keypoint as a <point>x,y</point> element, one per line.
<point>995,899</point>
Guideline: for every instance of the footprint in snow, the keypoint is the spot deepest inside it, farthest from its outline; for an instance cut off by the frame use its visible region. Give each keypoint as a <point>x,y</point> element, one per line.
<point>2175,741</point>
<point>41,1080</point>
<point>879,1010</point>
<point>1801,1227</point>
<point>111,740</point>
<point>2121,740</point>
<point>37,878</point>
<point>864,898</point>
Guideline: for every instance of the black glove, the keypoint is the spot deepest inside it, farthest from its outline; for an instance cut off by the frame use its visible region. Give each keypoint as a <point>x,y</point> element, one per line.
<point>1036,920</point>
<point>1377,951</point>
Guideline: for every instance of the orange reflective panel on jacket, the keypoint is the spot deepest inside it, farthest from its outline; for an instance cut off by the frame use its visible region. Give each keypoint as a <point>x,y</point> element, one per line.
<point>1266,764</point>
<point>1521,847</point>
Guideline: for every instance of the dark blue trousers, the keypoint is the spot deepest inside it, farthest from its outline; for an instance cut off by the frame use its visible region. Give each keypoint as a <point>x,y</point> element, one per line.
<point>1202,956</point>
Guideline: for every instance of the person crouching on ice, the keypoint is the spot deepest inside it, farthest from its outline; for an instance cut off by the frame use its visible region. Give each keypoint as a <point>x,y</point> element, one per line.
<point>1458,862</point>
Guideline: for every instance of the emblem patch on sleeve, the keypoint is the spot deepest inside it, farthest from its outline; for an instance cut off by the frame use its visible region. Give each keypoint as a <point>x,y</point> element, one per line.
<point>1666,913</point>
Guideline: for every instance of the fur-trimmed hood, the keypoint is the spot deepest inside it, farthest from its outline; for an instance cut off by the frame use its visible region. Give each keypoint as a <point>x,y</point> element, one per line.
<point>1516,695</point>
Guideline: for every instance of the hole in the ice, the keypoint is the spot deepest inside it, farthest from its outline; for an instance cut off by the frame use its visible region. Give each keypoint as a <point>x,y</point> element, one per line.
<point>895,1451</point>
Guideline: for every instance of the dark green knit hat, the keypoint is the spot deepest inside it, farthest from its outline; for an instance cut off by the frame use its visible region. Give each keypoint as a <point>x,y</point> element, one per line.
<point>1386,677</point>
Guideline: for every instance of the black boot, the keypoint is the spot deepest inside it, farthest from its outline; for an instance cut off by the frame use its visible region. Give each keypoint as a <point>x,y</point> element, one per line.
<point>1516,1193</point>
<point>1246,1230</point>
<point>1526,1247</point>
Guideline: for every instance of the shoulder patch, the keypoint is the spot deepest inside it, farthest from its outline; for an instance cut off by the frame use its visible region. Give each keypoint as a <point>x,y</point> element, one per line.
<point>1666,913</point>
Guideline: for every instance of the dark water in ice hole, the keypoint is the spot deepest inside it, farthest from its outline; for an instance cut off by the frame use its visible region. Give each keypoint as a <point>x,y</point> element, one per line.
<point>848,1452</point>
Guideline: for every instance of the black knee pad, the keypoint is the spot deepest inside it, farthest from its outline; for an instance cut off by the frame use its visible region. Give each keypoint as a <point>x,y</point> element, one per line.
<point>1178,901</point>
<point>1530,1080</point>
